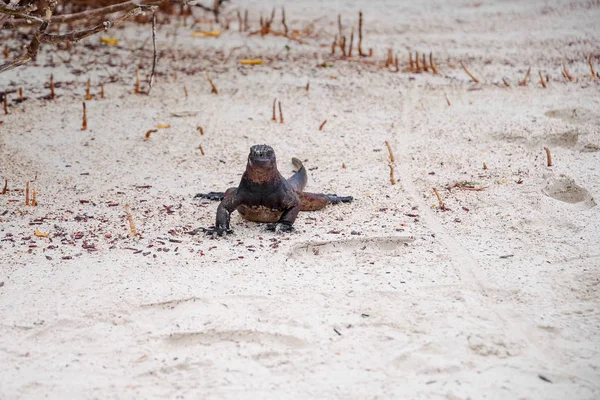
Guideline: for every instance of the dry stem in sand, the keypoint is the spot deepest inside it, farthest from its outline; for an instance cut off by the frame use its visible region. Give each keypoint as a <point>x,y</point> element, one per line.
<point>392,159</point>
<point>432,64</point>
<point>84,123</point>
<point>280,114</point>
<point>132,231</point>
<point>524,81</point>
<point>150,132</point>
<point>440,201</point>
<point>592,67</point>
<point>466,70</point>
<point>392,179</point>
<point>542,79</point>
<point>548,156</point>
<point>566,74</point>
<point>212,85</point>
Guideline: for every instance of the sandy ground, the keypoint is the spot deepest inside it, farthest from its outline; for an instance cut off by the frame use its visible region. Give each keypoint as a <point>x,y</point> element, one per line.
<point>387,297</point>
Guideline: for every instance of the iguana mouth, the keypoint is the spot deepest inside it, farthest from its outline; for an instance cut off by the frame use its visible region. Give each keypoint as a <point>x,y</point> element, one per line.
<point>262,156</point>
<point>262,151</point>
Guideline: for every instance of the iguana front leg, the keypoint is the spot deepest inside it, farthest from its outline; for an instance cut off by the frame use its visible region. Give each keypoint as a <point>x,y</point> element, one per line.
<point>229,203</point>
<point>286,220</point>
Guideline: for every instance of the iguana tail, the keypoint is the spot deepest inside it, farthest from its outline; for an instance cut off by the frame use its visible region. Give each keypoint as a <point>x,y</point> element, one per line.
<point>299,179</point>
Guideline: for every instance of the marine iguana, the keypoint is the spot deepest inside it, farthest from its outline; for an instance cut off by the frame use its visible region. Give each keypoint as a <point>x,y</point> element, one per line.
<point>264,195</point>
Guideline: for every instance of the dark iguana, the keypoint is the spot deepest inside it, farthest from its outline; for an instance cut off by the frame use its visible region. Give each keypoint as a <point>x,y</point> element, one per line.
<point>264,195</point>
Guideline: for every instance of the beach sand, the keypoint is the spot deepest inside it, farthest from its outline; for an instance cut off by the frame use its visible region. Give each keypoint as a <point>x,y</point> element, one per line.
<point>495,297</point>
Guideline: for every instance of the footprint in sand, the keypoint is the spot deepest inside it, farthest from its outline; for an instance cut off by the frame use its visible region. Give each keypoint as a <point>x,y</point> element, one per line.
<point>566,190</point>
<point>387,245</point>
<point>575,115</point>
<point>567,139</point>
<point>214,336</point>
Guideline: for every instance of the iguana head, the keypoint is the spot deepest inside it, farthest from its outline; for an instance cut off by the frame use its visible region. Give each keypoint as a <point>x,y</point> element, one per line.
<point>262,165</point>
<point>262,156</point>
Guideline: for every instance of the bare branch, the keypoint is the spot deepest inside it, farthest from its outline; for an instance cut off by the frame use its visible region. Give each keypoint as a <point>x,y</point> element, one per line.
<point>97,12</point>
<point>21,12</point>
<point>155,55</point>
<point>42,37</point>
<point>82,34</point>
<point>34,46</point>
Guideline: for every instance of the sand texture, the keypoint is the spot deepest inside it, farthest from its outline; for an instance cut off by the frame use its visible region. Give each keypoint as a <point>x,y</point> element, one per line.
<point>497,297</point>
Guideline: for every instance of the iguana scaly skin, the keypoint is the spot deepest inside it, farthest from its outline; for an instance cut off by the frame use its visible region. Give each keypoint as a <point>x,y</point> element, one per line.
<point>264,195</point>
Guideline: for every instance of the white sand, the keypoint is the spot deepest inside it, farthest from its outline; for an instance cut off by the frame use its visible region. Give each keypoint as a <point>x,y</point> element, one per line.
<point>477,302</point>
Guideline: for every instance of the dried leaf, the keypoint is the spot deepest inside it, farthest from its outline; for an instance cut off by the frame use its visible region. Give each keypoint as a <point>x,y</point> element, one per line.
<point>109,41</point>
<point>251,62</point>
<point>201,34</point>
<point>40,234</point>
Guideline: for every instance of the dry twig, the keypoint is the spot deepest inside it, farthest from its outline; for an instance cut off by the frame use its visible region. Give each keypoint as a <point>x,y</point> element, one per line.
<point>417,65</point>
<point>566,74</point>
<point>524,81</point>
<point>440,201</point>
<point>392,179</point>
<point>360,25</point>
<point>212,85</point>
<point>542,79</point>
<point>333,45</point>
<point>88,95</point>
<point>52,94</point>
<point>392,159</point>
<point>132,231</point>
<point>351,40</point>
<point>285,27</point>
<point>21,12</point>
<point>280,114</point>
<point>322,125</point>
<point>40,36</point>
<point>548,156</point>
<point>84,123</point>
<point>432,64</point>
<point>469,73</point>
<point>150,132</point>
<point>136,89</point>
<point>27,193</point>
<point>155,55</point>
